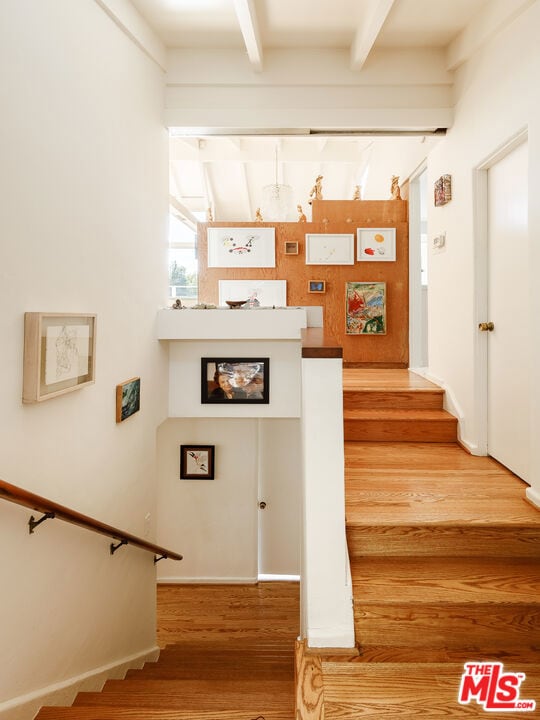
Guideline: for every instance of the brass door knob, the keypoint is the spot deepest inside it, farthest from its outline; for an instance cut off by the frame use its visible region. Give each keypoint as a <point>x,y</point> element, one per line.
<point>262,505</point>
<point>486,326</point>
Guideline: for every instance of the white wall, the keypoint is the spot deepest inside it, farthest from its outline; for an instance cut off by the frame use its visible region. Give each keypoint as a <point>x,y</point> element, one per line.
<point>83,181</point>
<point>496,97</point>
<point>215,522</point>
<point>185,377</point>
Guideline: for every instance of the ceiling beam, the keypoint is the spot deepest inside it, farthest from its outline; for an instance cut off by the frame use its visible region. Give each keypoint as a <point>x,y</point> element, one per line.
<point>247,19</point>
<point>185,213</point>
<point>492,18</point>
<point>368,31</point>
<point>208,189</point>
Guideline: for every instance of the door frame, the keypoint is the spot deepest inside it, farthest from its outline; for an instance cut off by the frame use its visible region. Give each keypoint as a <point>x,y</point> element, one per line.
<point>480,260</point>
<point>415,277</point>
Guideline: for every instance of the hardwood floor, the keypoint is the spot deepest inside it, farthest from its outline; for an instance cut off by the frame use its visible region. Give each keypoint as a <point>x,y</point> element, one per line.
<point>228,654</point>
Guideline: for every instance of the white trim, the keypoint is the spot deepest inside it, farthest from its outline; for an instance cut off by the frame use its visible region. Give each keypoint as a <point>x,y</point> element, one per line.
<point>533,496</point>
<point>63,693</point>
<point>207,580</point>
<point>480,300</point>
<point>279,578</point>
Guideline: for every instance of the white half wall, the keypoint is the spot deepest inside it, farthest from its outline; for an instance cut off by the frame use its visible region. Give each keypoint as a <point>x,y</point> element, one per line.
<point>326,589</point>
<point>495,99</point>
<point>83,228</point>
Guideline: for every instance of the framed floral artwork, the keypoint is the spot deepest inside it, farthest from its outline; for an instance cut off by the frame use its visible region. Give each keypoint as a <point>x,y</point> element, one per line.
<point>365,308</point>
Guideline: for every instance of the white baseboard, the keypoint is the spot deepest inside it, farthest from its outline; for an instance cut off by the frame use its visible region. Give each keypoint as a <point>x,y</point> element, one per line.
<point>207,580</point>
<point>453,407</point>
<point>533,496</point>
<point>26,707</point>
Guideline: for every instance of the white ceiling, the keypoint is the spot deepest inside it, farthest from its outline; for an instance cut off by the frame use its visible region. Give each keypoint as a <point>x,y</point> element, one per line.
<point>228,173</point>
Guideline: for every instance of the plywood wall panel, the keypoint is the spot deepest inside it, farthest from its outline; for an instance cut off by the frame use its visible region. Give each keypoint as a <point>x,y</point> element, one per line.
<point>390,350</point>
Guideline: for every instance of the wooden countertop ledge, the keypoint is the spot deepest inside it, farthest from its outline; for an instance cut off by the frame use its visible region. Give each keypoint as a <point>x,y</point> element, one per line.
<point>318,343</point>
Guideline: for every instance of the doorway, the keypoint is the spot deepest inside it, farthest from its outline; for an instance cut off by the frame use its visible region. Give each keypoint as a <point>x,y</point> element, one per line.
<point>418,270</point>
<point>504,327</point>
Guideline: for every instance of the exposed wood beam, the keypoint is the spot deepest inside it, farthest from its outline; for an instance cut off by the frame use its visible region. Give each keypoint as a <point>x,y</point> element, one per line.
<point>368,31</point>
<point>247,19</point>
<point>493,17</point>
<point>247,190</point>
<point>135,27</point>
<point>208,189</point>
<point>183,211</point>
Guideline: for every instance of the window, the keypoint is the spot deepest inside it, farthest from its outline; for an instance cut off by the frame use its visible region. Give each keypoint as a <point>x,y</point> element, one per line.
<point>183,266</point>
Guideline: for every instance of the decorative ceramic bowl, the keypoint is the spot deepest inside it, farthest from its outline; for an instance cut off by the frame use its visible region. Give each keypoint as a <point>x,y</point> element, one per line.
<point>235,304</point>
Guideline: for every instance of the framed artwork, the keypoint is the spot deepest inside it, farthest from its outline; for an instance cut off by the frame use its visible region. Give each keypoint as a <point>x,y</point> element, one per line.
<point>329,249</point>
<point>442,190</point>
<point>376,244</point>
<point>256,293</point>
<point>365,308</point>
<point>128,398</point>
<point>316,286</point>
<point>59,354</point>
<point>235,380</point>
<point>291,248</point>
<point>241,247</point>
<point>197,462</point>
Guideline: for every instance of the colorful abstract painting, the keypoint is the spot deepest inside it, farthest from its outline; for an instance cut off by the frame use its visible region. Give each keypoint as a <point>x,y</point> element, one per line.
<point>366,308</point>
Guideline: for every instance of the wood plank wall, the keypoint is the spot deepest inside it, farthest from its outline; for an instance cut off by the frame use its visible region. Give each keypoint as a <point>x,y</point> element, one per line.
<point>334,216</point>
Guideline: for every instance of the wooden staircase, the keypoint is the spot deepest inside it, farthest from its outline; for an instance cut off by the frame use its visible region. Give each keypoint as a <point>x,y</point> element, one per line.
<point>396,406</point>
<point>228,655</point>
<point>445,556</point>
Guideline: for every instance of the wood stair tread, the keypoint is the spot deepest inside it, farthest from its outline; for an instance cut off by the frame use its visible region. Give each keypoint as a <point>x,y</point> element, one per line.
<point>446,580</point>
<point>141,712</point>
<point>398,414</point>
<point>405,691</point>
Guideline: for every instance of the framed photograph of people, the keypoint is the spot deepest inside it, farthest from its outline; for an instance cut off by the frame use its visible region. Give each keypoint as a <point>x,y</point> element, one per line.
<point>235,380</point>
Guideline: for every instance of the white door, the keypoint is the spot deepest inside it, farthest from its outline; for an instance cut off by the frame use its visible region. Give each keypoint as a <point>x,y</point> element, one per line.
<point>280,483</point>
<point>509,352</point>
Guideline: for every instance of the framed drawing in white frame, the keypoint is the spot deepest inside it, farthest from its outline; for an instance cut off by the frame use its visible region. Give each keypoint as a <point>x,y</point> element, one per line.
<point>256,293</point>
<point>329,249</point>
<point>241,247</point>
<point>59,354</point>
<point>376,244</point>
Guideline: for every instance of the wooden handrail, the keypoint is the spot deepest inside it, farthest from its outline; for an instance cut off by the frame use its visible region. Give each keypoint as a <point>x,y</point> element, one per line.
<point>17,495</point>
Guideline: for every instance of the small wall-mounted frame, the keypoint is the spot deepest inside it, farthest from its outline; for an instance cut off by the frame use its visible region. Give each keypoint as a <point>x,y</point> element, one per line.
<point>316,286</point>
<point>128,398</point>
<point>376,244</point>
<point>235,380</point>
<point>197,462</point>
<point>290,248</point>
<point>442,190</point>
<point>59,354</point>
<point>329,249</point>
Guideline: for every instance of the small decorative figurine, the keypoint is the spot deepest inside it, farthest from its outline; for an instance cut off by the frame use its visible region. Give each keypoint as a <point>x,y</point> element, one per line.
<point>209,216</point>
<point>396,193</point>
<point>258,215</point>
<point>177,304</point>
<point>356,195</point>
<point>301,216</point>
<point>316,190</point>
